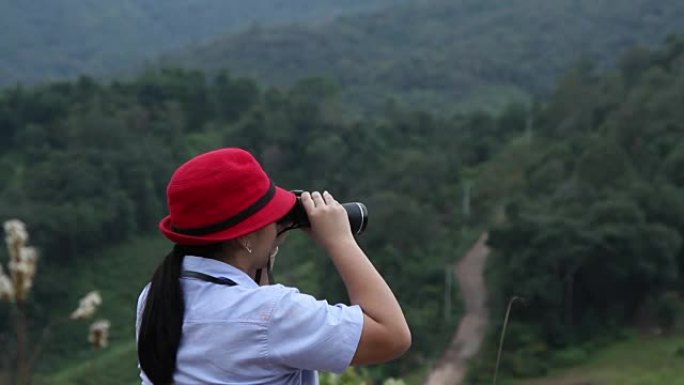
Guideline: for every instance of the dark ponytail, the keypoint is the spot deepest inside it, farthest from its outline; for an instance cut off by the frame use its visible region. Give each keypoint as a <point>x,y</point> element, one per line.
<point>162,321</point>
<point>161,326</point>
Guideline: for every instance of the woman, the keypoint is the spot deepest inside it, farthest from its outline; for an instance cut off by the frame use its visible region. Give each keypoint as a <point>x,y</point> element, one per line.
<point>204,319</point>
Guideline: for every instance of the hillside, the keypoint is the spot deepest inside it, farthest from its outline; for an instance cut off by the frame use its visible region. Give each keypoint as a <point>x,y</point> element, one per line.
<point>435,54</point>
<point>590,181</point>
<point>44,39</point>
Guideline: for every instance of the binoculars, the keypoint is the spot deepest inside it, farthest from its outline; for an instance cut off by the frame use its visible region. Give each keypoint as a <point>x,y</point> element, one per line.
<point>297,218</point>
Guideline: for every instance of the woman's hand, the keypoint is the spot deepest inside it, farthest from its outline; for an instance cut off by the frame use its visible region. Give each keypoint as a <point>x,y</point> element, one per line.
<point>329,220</point>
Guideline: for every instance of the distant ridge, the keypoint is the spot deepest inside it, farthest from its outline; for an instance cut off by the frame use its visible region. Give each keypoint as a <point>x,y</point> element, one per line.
<point>46,39</point>
<point>436,54</point>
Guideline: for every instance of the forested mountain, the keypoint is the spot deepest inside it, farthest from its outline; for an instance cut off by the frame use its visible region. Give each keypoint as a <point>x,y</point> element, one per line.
<point>583,193</point>
<point>592,232</point>
<point>434,54</point>
<point>48,39</point>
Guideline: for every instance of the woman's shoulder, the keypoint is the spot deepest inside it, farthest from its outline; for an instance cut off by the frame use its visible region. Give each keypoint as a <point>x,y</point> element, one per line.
<point>278,288</point>
<point>281,298</point>
<point>284,300</point>
<point>276,293</point>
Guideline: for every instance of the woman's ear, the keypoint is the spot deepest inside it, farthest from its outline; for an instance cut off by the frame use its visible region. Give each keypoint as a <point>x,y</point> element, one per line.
<point>245,242</point>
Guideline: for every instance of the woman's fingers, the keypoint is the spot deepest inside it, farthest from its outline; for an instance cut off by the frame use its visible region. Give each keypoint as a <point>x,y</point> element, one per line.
<point>317,199</point>
<point>307,201</point>
<point>328,198</point>
<point>329,222</point>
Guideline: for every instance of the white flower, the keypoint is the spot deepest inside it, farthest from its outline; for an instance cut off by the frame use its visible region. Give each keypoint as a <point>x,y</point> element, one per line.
<point>22,270</point>
<point>16,235</point>
<point>87,306</point>
<point>99,332</point>
<point>6,287</point>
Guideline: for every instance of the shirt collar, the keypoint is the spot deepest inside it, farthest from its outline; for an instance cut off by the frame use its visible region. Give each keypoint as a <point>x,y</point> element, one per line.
<point>218,269</point>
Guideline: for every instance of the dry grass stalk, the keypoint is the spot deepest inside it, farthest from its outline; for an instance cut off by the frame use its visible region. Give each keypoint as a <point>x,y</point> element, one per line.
<point>16,236</point>
<point>99,333</point>
<point>23,269</point>
<point>503,335</point>
<point>6,287</point>
<point>99,330</point>
<point>16,288</point>
<point>87,306</point>
<point>23,262</point>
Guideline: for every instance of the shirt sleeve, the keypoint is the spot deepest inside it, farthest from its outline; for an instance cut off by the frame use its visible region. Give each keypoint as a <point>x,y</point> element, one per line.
<point>138,319</point>
<point>139,309</point>
<point>308,334</point>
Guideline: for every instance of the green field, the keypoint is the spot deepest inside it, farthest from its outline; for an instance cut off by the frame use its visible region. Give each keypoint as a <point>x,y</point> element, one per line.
<point>636,361</point>
<point>119,273</point>
<point>116,365</point>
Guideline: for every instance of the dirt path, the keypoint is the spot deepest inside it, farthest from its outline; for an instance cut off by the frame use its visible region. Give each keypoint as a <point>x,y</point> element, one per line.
<point>451,368</point>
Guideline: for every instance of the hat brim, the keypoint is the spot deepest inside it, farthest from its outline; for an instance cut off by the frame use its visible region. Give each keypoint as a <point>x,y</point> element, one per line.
<point>283,201</point>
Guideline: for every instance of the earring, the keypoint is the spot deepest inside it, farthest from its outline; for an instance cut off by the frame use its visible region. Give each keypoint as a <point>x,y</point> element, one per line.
<point>248,248</point>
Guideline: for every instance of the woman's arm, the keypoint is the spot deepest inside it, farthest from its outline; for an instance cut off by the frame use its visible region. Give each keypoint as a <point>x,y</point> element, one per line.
<point>385,334</point>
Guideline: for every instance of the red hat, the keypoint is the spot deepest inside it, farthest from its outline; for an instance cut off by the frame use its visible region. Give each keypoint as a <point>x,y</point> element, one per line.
<point>221,195</point>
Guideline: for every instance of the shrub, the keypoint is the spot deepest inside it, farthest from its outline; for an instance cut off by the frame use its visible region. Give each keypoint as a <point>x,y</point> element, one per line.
<point>569,357</point>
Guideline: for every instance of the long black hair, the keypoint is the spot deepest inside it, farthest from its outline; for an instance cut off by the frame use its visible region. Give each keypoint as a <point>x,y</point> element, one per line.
<point>162,318</point>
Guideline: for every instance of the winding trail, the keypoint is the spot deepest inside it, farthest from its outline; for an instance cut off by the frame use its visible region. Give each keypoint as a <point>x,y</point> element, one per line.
<point>452,367</point>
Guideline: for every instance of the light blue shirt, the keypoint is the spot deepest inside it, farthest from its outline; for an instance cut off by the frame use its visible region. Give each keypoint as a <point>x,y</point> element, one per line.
<point>251,334</point>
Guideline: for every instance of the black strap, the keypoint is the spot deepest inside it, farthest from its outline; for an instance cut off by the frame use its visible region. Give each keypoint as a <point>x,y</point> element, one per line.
<point>208,278</point>
<point>232,221</point>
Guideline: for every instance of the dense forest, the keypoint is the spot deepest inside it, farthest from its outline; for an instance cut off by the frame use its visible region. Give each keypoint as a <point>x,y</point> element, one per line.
<point>46,39</point>
<point>443,55</point>
<point>594,214</point>
<point>582,191</point>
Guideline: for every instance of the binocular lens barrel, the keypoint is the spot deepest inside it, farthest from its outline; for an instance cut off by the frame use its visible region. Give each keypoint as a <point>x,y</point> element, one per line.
<point>358,216</point>
<point>357,213</point>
